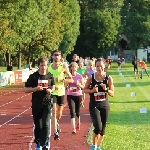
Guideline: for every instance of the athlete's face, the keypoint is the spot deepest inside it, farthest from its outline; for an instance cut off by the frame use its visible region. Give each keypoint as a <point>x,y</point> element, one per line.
<point>43,66</point>
<point>90,64</point>
<point>80,65</point>
<point>100,66</point>
<point>74,67</point>
<point>56,57</point>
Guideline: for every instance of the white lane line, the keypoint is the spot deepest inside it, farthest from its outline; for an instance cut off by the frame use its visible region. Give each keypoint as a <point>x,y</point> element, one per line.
<point>139,87</point>
<point>14,117</point>
<point>11,92</point>
<point>32,140</point>
<point>13,124</point>
<point>14,100</point>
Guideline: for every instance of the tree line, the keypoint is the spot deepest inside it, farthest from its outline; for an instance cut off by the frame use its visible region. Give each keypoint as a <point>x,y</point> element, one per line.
<point>31,28</point>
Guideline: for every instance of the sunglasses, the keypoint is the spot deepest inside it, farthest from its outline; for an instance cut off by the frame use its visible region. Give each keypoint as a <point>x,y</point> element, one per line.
<point>56,54</point>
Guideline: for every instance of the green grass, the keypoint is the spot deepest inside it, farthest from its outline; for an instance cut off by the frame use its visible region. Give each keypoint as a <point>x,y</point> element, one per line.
<point>3,69</point>
<point>127,128</point>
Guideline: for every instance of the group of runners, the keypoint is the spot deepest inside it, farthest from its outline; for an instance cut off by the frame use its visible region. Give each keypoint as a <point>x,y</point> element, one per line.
<point>49,85</point>
<point>53,81</point>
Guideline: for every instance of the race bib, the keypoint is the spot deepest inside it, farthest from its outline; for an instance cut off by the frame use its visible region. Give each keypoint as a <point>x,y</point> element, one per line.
<point>43,83</point>
<point>73,89</point>
<point>100,96</point>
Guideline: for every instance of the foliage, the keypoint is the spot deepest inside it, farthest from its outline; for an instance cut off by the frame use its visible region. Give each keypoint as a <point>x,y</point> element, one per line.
<point>136,22</point>
<point>125,119</point>
<point>71,18</point>
<point>100,22</point>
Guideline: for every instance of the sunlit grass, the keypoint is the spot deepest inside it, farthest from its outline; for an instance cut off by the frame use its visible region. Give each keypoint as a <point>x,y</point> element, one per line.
<point>127,128</point>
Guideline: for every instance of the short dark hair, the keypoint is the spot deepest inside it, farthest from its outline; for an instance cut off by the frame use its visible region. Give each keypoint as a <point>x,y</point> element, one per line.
<point>56,51</point>
<point>42,59</point>
<point>99,60</point>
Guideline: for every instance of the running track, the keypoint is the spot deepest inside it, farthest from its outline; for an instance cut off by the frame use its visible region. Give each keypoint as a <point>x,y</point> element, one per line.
<point>16,123</point>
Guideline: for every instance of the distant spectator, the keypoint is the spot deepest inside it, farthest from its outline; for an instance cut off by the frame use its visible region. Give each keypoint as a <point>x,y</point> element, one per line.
<point>10,67</point>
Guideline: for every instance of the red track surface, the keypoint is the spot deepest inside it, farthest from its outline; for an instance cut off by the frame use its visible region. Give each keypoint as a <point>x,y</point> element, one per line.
<point>16,123</point>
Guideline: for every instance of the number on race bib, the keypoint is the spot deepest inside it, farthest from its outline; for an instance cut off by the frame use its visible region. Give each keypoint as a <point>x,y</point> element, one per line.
<point>100,96</point>
<point>73,89</point>
<point>43,83</point>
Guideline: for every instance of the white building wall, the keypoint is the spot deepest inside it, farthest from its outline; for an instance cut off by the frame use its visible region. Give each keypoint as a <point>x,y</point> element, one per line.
<point>142,54</point>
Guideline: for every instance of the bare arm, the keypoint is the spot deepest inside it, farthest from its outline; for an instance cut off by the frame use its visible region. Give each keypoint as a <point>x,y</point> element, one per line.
<point>111,87</point>
<point>68,74</point>
<point>81,84</point>
<point>34,89</point>
<point>87,85</point>
<point>85,74</point>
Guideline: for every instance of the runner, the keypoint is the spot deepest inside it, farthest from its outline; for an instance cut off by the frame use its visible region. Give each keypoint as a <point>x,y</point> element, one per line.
<point>101,86</point>
<point>81,69</point>
<point>143,68</point>
<point>58,70</point>
<point>74,96</point>
<point>119,63</point>
<point>75,58</point>
<point>41,84</point>
<point>109,60</point>
<point>90,70</point>
<point>135,63</point>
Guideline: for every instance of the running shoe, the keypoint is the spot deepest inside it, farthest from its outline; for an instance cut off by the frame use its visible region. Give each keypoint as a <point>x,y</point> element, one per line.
<point>98,148</point>
<point>56,136</point>
<point>58,128</point>
<point>93,147</point>
<point>74,131</point>
<point>44,148</point>
<point>37,147</point>
<point>78,127</point>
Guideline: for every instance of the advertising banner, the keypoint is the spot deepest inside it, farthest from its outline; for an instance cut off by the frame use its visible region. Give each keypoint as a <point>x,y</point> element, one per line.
<point>11,77</point>
<point>0,77</point>
<point>4,79</point>
<point>18,76</point>
<point>25,74</point>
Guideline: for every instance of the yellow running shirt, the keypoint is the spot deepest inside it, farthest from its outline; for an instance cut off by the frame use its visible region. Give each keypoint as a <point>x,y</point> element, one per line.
<point>59,86</point>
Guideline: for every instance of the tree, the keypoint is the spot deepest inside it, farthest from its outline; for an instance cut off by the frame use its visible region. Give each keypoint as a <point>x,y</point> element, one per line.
<point>100,22</point>
<point>26,19</point>
<point>136,22</point>
<point>71,19</point>
<point>51,35</point>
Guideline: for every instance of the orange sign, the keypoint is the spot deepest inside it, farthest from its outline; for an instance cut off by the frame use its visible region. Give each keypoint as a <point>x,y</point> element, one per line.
<point>18,76</point>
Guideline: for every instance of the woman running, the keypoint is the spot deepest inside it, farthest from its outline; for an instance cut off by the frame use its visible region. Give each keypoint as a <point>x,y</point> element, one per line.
<point>99,86</point>
<point>74,96</point>
<point>90,70</point>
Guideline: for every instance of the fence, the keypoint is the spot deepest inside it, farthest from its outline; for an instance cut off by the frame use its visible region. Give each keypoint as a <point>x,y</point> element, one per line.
<point>13,77</point>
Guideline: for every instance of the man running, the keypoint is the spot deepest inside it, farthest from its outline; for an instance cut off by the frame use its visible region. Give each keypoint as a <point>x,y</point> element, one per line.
<point>58,69</point>
<point>41,85</point>
<point>135,63</point>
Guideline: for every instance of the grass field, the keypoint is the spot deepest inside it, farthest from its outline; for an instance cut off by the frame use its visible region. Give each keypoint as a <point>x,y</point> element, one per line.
<point>127,128</point>
<point>3,69</point>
